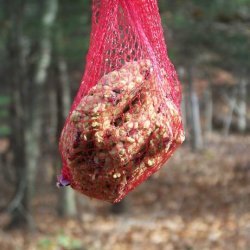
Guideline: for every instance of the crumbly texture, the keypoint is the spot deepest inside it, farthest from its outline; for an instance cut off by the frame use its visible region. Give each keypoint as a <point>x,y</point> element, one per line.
<point>120,133</point>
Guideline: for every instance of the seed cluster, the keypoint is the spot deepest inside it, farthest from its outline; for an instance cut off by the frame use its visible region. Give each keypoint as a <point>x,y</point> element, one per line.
<point>120,133</point>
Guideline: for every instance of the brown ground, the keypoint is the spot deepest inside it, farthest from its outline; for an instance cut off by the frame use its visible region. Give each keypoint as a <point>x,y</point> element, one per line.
<point>198,202</point>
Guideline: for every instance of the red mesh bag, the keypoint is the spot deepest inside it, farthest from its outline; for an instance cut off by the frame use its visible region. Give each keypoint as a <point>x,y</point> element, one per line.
<point>125,121</point>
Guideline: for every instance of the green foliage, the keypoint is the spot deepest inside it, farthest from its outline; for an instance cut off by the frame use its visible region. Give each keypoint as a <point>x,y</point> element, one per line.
<point>68,242</point>
<point>4,131</point>
<point>45,244</point>
<point>61,241</point>
<point>218,27</point>
<point>75,19</point>
<point>4,100</point>
<point>4,113</point>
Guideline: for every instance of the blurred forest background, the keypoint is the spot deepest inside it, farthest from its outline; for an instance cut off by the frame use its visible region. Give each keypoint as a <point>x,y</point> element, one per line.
<point>199,201</point>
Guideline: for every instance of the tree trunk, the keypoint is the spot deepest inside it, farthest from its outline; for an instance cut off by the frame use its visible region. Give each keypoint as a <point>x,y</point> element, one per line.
<point>184,111</point>
<point>34,125</point>
<point>29,145</point>
<point>232,105</point>
<point>67,201</point>
<point>184,107</point>
<point>208,110</point>
<point>196,134</point>
<point>120,207</point>
<point>242,106</point>
<point>17,78</point>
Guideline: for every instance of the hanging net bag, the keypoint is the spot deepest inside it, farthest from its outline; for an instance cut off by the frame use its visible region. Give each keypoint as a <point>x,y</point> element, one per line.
<point>125,121</point>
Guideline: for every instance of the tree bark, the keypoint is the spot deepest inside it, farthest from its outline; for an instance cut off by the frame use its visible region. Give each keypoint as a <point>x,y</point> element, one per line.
<point>29,144</point>
<point>120,207</point>
<point>66,199</point>
<point>242,106</point>
<point>34,125</point>
<point>196,134</point>
<point>208,110</point>
<point>183,110</point>
<point>17,79</point>
<point>232,105</point>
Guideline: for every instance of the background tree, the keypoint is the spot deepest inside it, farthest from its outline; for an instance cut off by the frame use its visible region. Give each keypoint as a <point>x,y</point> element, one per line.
<point>27,104</point>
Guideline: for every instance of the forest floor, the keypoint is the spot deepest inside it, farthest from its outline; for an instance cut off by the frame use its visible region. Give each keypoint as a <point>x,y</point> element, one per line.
<point>197,202</point>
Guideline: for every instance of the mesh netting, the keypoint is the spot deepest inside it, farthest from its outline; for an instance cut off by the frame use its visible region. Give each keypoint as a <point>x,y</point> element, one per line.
<point>125,121</point>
